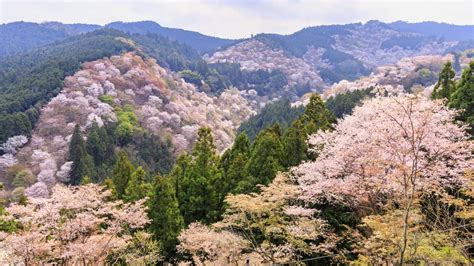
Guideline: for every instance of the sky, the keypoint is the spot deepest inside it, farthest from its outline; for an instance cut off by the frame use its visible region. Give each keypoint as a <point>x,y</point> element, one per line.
<point>238,18</point>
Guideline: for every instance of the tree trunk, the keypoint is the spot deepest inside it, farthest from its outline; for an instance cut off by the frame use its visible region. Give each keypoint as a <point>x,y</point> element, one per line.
<point>405,226</point>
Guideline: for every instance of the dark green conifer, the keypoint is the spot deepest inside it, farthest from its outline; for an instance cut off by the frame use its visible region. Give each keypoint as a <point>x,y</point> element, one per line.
<point>82,164</point>
<point>446,84</point>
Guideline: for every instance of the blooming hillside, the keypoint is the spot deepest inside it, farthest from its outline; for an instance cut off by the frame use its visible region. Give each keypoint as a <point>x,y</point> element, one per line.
<point>162,104</point>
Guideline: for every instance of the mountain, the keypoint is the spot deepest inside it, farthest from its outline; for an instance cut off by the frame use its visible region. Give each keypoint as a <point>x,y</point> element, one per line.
<point>198,41</point>
<point>320,56</point>
<point>20,36</point>
<point>70,29</point>
<point>448,31</point>
<point>138,96</point>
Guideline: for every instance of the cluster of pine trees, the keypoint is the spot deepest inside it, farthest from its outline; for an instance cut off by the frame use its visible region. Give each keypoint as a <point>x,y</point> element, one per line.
<point>458,95</point>
<point>105,151</point>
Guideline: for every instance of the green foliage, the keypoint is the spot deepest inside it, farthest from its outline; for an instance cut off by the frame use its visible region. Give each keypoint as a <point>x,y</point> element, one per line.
<point>294,144</point>
<point>345,66</point>
<point>23,178</point>
<point>264,162</point>
<point>123,171</point>
<point>198,181</point>
<point>137,187</point>
<point>126,124</point>
<point>164,212</point>
<point>446,84</point>
<point>232,163</point>
<point>109,99</point>
<point>85,180</point>
<point>30,79</point>
<point>14,124</point>
<point>98,144</point>
<point>463,97</point>
<point>191,77</point>
<point>279,112</point>
<point>6,225</point>
<point>316,116</point>
<point>343,104</point>
<point>82,163</point>
<point>154,152</point>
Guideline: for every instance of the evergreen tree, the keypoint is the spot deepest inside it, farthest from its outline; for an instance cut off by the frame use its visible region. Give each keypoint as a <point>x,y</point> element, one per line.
<point>200,186</point>
<point>463,97</point>
<point>233,161</point>
<point>122,173</point>
<point>82,164</point>
<point>167,221</point>
<point>179,172</point>
<point>97,144</point>
<point>137,187</point>
<point>445,85</point>
<point>264,162</point>
<point>294,144</point>
<point>316,116</point>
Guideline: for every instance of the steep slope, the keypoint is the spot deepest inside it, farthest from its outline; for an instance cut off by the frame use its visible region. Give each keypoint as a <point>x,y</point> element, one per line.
<point>194,39</point>
<point>337,52</point>
<point>254,55</point>
<point>163,103</point>
<point>409,74</point>
<point>30,79</point>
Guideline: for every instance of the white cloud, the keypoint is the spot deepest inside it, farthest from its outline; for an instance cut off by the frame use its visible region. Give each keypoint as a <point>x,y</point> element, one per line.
<point>238,18</point>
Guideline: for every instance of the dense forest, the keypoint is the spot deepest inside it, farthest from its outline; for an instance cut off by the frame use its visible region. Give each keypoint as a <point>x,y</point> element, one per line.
<point>29,80</point>
<point>375,174</point>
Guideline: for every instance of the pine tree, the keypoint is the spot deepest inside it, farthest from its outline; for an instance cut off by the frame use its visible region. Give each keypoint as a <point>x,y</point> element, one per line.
<point>201,185</point>
<point>463,97</point>
<point>264,162</point>
<point>137,187</point>
<point>294,144</point>
<point>122,173</point>
<point>97,143</point>
<point>82,162</point>
<point>233,161</point>
<point>179,171</point>
<point>446,84</point>
<point>316,116</point>
<point>167,221</point>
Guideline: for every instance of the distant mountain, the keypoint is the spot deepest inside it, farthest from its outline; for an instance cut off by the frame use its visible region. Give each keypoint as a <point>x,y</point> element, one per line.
<point>316,57</point>
<point>198,41</point>
<point>447,31</point>
<point>21,36</point>
<point>71,29</point>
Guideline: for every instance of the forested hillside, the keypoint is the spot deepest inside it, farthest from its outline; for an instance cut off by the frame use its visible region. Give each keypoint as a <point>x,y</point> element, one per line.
<point>198,41</point>
<point>316,57</point>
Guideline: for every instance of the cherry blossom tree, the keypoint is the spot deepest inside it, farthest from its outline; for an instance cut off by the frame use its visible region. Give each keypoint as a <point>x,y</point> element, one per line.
<point>389,152</point>
<point>205,244</point>
<point>77,225</point>
<point>13,143</point>
<point>277,230</point>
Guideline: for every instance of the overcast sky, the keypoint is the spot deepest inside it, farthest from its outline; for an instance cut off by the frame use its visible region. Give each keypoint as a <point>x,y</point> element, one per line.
<point>238,18</point>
